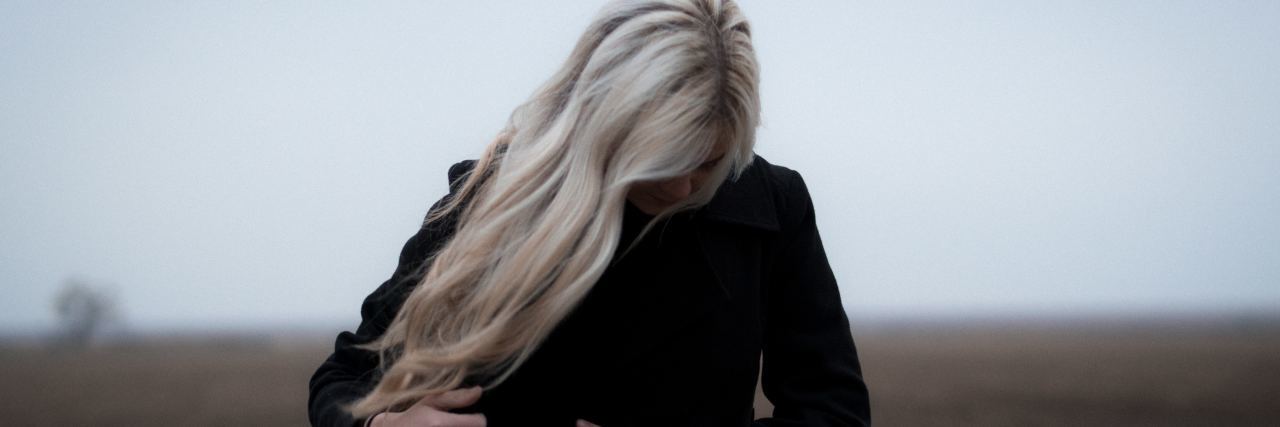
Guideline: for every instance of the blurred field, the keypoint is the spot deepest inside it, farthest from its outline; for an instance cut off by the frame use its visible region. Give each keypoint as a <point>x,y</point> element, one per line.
<point>989,374</point>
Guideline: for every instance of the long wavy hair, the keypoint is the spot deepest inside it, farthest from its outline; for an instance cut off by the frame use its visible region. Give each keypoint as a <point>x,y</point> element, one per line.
<point>649,90</point>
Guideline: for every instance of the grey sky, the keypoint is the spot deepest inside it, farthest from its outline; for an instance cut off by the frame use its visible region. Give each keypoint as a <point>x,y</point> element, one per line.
<point>235,164</point>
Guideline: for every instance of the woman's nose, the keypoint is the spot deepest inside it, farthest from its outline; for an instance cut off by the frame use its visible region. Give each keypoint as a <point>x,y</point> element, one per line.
<point>677,188</point>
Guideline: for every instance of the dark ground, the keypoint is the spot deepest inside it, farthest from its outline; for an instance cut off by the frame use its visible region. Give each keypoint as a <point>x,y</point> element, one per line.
<point>926,374</point>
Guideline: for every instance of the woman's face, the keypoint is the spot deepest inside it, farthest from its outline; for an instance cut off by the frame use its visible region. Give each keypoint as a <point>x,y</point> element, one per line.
<point>653,197</point>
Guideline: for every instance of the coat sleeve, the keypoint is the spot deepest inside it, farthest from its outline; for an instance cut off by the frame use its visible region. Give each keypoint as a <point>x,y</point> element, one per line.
<point>811,371</point>
<point>350,372</point>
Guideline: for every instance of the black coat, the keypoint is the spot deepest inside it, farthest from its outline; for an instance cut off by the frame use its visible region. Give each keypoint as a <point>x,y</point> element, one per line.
<point>677,343</point>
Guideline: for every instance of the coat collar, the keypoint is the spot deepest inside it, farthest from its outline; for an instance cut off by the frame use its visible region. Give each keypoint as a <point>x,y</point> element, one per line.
<point>745,201</point>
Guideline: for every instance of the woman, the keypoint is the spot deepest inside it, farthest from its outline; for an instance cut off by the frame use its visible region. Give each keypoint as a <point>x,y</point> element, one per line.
<point>617,256</point>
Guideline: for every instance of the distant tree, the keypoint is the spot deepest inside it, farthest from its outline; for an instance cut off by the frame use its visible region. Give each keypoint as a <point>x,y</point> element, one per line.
<point>83,311</point>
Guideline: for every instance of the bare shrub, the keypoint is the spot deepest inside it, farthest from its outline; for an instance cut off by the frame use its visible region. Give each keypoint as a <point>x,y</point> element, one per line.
<point>83,311</point>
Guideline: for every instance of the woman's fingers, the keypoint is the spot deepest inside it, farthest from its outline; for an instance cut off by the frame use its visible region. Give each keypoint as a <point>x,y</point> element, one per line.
<point>453,399</point>
<point>433,411</point>
<point>460,420</point>
<point>429,417</point>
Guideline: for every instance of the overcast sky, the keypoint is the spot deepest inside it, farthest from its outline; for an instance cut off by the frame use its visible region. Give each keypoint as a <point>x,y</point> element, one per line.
<point>244,164</point>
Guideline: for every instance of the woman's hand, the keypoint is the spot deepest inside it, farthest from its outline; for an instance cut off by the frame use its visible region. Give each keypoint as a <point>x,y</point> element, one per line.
<point>432,411</point>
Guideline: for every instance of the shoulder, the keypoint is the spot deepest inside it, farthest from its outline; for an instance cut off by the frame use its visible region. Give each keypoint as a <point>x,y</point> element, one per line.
<point>458,173</point>
<point>790,193</point>
<point>784,184</point>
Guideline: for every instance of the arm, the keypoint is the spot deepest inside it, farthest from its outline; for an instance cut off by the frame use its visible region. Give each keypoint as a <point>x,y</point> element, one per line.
<point>811,371</point>
<point>349,373</point>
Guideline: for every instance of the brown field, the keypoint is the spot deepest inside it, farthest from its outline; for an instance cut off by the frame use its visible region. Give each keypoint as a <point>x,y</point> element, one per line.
<point>922,375</point>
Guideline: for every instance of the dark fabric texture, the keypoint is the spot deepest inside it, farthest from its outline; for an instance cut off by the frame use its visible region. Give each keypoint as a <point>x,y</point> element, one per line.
<point>674,331</point>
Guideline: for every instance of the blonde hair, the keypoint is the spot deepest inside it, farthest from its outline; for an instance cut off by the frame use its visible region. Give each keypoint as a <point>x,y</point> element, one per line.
<point>649,90</point>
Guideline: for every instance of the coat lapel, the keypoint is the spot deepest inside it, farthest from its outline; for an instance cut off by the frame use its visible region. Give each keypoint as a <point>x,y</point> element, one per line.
<point>724,234</point>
